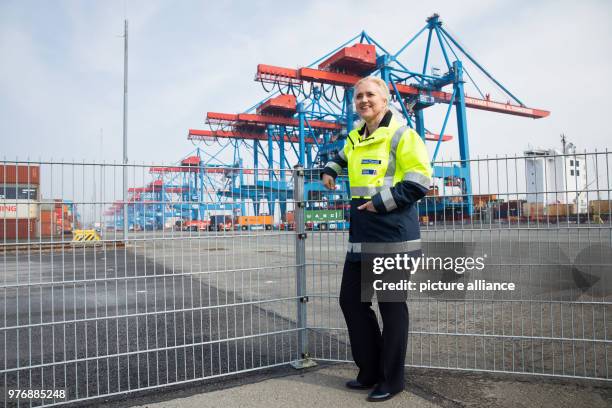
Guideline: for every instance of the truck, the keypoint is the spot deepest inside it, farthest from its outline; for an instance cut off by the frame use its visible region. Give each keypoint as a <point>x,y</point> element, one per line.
<point>254,222</point>
<point>195,225</point>
<point>288,224</point>
<point>221,223</point>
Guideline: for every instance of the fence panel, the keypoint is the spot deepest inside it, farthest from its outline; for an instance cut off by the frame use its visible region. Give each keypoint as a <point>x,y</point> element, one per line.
<point>540,221</point>
<point>201,287</point>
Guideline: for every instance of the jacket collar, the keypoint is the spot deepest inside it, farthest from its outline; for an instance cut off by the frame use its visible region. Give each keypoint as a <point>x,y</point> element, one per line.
<point>386,120</point>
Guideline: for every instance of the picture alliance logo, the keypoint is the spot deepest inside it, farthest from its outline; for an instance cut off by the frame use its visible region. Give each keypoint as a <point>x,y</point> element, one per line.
<point>404,262</point>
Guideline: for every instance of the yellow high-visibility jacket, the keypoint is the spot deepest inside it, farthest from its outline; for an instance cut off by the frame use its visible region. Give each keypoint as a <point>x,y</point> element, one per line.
<point>392,168</point>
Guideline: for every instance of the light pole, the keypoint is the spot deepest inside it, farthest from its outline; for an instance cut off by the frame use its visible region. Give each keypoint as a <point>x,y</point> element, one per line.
<point>125,158</point>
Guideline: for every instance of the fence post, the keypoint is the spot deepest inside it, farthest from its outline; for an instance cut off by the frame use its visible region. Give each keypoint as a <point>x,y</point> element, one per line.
<point>303,360</point>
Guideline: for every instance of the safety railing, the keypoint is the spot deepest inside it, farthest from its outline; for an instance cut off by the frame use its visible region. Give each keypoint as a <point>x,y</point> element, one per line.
<point>178,277</point>
<point>542,222</point>
<point>194,272</point>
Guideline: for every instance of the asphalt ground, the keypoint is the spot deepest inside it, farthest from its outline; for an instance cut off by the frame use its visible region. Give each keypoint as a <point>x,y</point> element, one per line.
<point>172,308</point>
<point>108,321</point>
<point>324,386</point>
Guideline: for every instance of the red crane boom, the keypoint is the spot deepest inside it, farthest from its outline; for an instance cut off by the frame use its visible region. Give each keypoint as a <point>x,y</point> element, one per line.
<point>273,74</point>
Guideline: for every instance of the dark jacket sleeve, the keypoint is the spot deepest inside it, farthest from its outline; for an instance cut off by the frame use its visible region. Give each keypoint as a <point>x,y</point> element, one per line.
<point>337,163</point>
<point>404,193</point>
<point>333,167</point>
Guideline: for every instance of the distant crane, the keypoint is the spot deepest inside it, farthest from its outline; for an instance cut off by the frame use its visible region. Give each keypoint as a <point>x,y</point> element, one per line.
<point>309,112</point>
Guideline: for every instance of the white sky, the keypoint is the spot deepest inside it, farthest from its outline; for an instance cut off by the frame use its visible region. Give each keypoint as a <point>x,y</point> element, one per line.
<point>61,69</point>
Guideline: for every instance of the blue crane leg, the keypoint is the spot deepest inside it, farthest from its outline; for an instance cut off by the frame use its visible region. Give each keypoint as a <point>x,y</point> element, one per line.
<point>420,123</point>
<point>464,149</point>
<point>300,110</point>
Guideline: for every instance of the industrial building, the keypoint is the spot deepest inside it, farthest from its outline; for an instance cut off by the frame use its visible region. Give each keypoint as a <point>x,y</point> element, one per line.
<point>555,177</point>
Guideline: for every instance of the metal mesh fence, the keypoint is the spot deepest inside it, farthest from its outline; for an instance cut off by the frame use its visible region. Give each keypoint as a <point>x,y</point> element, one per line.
<point>541,222</point>
<point>201,287</point>
<point>196,272</point>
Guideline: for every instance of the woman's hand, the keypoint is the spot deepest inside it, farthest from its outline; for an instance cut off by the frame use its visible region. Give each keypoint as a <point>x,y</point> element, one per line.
<point>367,206</point>
<point>329,182</point>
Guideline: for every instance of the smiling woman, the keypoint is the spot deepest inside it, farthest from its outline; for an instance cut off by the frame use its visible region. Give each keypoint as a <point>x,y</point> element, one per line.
<point>389,171</point>
<point>371,101</point>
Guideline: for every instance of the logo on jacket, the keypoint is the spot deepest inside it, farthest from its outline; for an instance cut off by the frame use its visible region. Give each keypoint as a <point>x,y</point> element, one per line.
<point>370,161</point>
<point>368,172</point>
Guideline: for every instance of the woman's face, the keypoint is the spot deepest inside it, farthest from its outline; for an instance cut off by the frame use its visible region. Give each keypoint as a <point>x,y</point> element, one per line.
<point>368,100</point>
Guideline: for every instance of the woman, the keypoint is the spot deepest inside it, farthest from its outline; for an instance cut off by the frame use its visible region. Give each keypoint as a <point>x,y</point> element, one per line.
<point>389,171</point>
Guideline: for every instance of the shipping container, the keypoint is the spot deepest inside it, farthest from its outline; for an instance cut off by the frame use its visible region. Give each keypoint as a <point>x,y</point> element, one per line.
<point>19,174</point>
<point>290,217</point>
<point>433,191</point>
<point>600,206</point>
<point>18,209</point>
<point>47,205</point>
<point>560,210</point>
<point>533,210</point>
<point>255,221</point>
<point>514,207</point>
<point>24,229</point>
<point>288,223</point>
<point>511,208</point>
<point>64,218</point>
<point>49,225</point>
<point>15,192</point>
<point>325,219</point>
<point>324,215</point>
<point>482,200</point>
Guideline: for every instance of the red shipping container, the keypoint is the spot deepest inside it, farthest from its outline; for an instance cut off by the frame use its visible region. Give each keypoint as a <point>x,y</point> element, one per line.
<point>290,217</point>
<point>48,224</point>
<point>19,174</point>
<point>22,229</point>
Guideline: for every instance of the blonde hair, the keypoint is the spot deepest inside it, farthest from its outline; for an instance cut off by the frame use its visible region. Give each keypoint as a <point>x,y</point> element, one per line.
<point>383,88</point>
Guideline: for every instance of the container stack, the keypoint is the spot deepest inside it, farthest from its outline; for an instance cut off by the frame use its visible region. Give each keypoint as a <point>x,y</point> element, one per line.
<point>19,198</point>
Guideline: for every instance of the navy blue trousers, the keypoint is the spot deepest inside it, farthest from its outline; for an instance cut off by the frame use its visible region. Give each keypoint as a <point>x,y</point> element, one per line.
<point>379,355</point>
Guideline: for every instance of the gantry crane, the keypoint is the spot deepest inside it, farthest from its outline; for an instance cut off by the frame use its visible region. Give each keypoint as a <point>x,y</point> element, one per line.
<point>310,109</point>
<point>414,89</point>
<point>273,122</point>
<point>199,191</point>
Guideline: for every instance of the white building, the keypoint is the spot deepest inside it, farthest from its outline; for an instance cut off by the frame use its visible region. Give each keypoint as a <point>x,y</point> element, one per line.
<point>555,178</point>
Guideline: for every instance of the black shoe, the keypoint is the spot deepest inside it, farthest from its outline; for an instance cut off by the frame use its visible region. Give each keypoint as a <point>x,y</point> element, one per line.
<point>356,385</point>
<point>377,395</point>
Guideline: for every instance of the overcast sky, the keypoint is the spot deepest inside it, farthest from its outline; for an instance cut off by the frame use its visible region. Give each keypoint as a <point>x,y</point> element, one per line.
<point>61,75</point>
